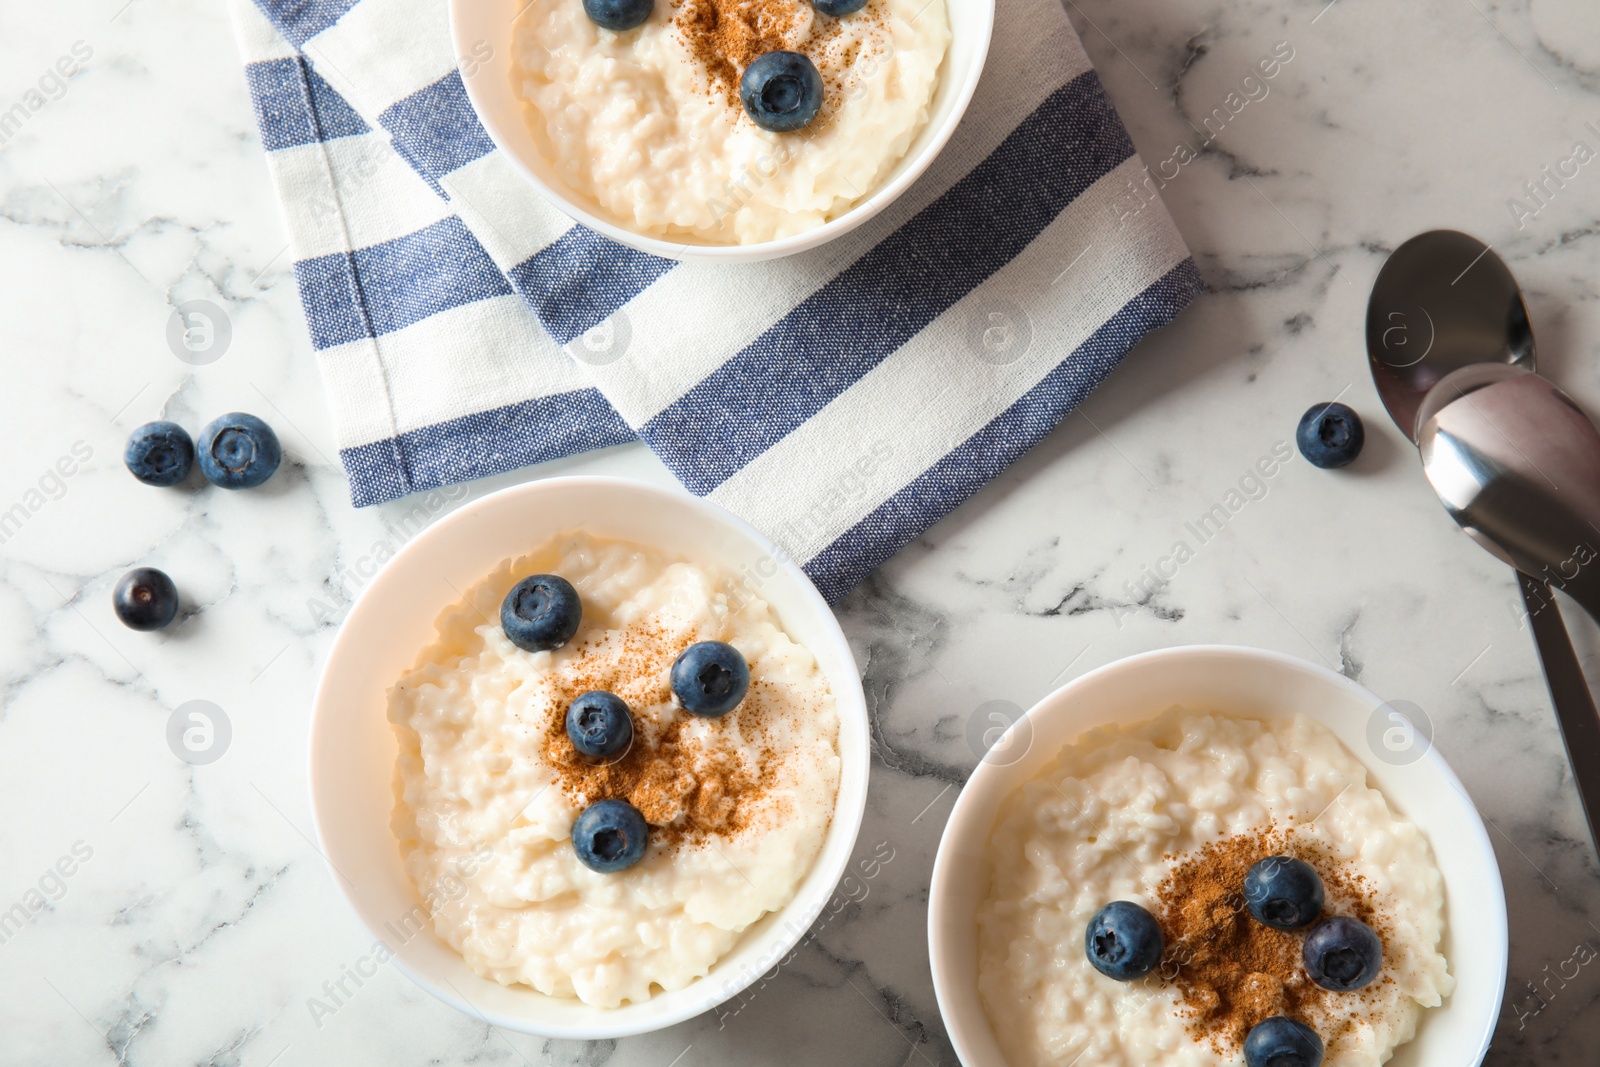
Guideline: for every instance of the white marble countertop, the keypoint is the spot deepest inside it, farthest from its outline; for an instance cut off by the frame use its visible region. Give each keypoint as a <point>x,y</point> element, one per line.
<point>202,920</point>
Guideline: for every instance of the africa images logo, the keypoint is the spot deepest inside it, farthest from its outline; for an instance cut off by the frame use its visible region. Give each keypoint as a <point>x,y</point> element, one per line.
<point>199,332</point>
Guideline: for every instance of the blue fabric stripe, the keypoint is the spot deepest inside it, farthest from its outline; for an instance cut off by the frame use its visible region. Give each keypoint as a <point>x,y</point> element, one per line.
<point>436,129</point>
<point>294,106</point>
<point>485,443</point>
<point>582,279</point>
<point>301,20</point>
<point>867,312</point>
<point>398,282</point>
<point>330,296</point>
<point>937,491</point>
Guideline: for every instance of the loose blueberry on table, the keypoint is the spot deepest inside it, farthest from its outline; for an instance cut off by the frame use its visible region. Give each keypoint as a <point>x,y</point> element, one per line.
<point>541,613</point>
<point>1342,954</point>
<point>710,678</point>
<point>1282,1042</point>
<point>1330,435</point>
<point>1124,941</point>
<point>781,91</point>
<point>238,451</point>
<point>145,599</point>
<point>610,836</point>
<point>600,725</point>
<point>159,453</point>
<point>1283,893</point>
<point>618,15</point>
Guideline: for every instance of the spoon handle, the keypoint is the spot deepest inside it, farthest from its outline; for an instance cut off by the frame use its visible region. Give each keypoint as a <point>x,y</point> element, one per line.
<point>1569,692</point>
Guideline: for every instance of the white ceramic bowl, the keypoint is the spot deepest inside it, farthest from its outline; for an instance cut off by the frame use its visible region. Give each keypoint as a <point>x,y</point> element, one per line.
<point>475,24</point>
<point>353,747</point>
<point>1256,684</point>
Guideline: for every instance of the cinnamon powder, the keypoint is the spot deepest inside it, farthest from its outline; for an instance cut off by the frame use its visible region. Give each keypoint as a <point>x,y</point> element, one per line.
<point>1230,971</point>
<point>726,36</point>
<point>687,788</point>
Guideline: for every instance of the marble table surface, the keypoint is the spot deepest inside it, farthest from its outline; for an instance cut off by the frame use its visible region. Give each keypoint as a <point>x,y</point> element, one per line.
<point>198,921</point>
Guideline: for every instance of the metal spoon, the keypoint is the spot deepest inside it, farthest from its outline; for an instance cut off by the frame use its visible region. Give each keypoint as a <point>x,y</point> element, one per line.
<point>1517,464</point>
<point>1443,302</point>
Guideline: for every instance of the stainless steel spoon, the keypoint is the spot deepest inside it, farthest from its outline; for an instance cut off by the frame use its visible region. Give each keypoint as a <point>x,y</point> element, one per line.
<point>1442,303</point>
<point>1517,465</point>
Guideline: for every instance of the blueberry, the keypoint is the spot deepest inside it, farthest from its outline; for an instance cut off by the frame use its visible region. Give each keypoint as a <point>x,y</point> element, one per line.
<point>1330,435</point>
<point>1283,893</point>
<point>1282,1042</point>
<point>1342,954</point>
<point>617,15</point>
<point>541,613</point>
<point>600,725</point>
<point>781,91</point>
<point>145,599</point>
<point>238,451</point>
<point>610,836</point>
<point>710,678</point>
<point>159,453</point>
<point>838,8</point>
<point>1124,941</point>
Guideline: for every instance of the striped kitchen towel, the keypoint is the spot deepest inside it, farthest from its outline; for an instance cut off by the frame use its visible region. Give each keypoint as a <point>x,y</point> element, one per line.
<point>841,400</point>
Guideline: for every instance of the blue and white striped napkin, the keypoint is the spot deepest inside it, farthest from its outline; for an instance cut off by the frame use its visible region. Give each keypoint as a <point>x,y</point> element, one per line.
<point>841,400</point>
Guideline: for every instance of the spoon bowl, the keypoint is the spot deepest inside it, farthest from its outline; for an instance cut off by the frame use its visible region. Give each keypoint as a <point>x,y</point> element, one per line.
<point>1517,464</point>
<point>1443,301</point>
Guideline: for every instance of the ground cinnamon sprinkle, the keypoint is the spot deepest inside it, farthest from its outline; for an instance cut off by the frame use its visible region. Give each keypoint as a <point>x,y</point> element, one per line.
<point>1232,972</point>
<point>725,36</point>
<point>686,789</point>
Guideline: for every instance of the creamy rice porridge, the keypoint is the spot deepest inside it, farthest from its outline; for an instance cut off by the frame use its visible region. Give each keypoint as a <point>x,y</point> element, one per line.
<point>647,123</point>
<point>489,785</point>
<point>1145,815</point>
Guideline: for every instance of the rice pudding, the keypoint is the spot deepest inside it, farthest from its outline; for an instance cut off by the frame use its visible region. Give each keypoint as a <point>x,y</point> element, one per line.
<point>489,784</point>
<point>647,123</point>
<point>1152,814</point>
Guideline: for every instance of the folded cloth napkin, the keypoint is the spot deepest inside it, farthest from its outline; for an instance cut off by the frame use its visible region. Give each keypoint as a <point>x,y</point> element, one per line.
<point>841,400</point>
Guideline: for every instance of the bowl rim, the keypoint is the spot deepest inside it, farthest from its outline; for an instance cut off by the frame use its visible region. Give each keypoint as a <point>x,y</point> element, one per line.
<point>856,215</point>
<point>945,989</point>
<point>794,923</point>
